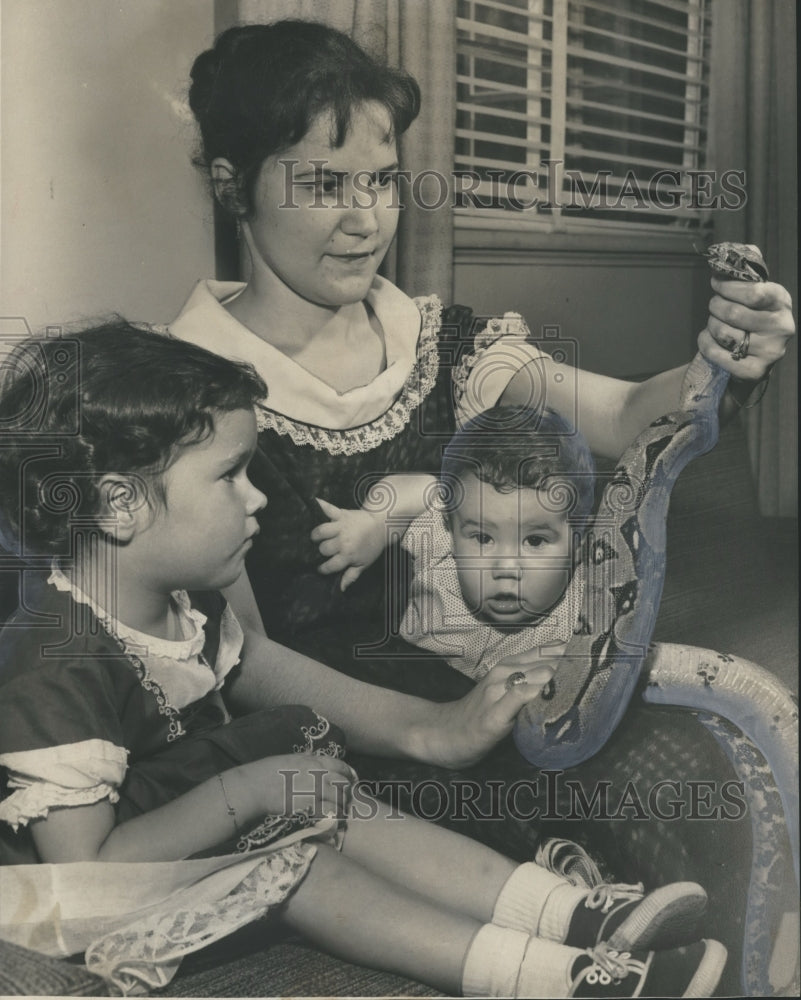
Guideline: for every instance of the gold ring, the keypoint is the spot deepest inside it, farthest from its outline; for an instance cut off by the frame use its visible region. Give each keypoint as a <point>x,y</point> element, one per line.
<point>741,351</point>
<point>518,677</point>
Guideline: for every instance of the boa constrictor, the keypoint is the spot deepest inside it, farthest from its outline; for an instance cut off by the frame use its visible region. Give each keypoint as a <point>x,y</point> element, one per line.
<point>624,561</point>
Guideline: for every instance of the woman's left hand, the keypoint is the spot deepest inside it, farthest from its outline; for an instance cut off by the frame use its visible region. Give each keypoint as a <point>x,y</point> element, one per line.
<point>466,730</point>
<point>352,540</point>
<point>764,310</point>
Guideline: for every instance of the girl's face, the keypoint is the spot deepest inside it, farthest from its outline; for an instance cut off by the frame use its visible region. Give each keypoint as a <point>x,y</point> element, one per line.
<point>325,217</point>
<point>199,537</point>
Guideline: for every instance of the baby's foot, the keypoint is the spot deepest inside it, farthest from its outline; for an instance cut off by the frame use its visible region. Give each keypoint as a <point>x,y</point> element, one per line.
<point>627,920</point>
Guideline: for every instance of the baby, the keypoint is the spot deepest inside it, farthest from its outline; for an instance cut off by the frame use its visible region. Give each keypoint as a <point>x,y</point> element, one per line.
<point>494,567</point>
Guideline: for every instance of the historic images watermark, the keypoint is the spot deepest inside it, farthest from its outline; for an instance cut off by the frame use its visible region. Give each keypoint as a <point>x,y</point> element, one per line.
<point>549,186</point>
<point>550,795</point>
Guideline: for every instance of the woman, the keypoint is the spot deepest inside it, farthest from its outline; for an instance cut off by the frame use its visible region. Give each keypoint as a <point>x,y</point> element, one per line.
<point>299,130</point>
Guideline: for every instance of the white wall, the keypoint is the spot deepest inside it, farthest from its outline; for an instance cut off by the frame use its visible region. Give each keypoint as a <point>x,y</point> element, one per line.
<point>102,209</point>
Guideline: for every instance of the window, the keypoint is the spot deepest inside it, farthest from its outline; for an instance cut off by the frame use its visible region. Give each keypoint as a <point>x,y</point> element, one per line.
<point>583,115</point>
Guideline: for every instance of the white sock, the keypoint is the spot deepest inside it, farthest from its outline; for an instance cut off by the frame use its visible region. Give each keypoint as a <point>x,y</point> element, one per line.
<point>502,962</point>
<point>493,961</point>
<point>538,901</point>
<point>558,909</point>
<point>545,970</point>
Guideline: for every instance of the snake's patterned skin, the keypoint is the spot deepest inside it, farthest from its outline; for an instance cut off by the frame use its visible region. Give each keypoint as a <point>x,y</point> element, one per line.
<point>753,715</point>
<point>624,560</point>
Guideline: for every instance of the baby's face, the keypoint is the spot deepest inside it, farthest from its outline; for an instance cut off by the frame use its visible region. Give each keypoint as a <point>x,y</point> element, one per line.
<point>513,555</point>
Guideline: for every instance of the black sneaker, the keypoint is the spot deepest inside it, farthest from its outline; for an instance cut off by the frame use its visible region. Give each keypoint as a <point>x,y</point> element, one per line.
<point>626,920</point>
<point>693,971</point>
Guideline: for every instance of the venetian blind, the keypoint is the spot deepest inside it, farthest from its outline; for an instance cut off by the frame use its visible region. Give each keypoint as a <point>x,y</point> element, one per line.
<point>583,111</point>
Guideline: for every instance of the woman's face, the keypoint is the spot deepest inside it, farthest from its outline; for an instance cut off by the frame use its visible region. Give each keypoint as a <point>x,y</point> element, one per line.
<point>323,218</point>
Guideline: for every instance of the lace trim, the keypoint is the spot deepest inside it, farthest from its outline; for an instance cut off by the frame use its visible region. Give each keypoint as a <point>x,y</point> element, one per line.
<point>146,953</point>
<point>148,682</point>
<point>511,324</point>
<point>151,685</point>
<point>312,734</point>
<point>356,440</point>
<point>37,799</point>
<point>110,626</point>
<point>274,828</point>
<point>172,649</point>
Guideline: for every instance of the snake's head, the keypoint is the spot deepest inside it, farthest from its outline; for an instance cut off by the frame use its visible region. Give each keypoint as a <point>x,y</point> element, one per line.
<point>736,261</point>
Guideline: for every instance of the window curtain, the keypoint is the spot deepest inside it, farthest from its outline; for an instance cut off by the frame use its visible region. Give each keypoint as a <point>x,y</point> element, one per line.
<point>753,128</point>
<point>420,37</point>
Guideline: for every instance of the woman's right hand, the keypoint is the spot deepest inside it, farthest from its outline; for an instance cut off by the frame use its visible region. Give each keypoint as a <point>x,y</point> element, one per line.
<point>466,730</point>
<point>292,783</point>
<point>764,309</point>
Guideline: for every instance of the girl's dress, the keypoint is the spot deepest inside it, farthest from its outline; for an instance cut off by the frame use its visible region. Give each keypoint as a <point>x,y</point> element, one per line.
<point>90,710</point>
<point>316,442</point>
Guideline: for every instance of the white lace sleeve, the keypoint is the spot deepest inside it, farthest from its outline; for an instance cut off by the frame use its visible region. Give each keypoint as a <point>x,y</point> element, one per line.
<point>501,350</point>
<point>74,774</point>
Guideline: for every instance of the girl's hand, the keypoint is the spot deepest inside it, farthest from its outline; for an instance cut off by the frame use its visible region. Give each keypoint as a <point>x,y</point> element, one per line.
<point>764,309</point>
<point>297,782</point>
<point>469,728</point>
<point>352,539</point>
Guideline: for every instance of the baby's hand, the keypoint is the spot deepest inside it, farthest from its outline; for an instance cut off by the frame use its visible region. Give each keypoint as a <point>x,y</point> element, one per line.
<point>352,539</point>
<point>303,782</point>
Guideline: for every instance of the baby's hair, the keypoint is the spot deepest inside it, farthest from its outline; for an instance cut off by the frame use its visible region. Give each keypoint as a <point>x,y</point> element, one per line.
<point>512,447</point>
<point>260,88</point>
<point>114,398</point>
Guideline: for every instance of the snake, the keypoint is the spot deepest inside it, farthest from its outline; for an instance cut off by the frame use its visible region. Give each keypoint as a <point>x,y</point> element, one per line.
<point>624,559</point>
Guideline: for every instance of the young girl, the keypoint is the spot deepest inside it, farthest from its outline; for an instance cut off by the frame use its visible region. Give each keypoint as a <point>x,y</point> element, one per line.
<point>125,484</point>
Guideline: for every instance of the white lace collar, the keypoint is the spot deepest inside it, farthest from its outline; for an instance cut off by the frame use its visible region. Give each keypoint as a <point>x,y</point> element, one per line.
<point>140,643</point>
<point>293,391</point>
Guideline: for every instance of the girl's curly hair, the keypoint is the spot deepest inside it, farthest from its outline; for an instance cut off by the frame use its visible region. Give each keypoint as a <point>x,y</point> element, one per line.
<point>114,398</point>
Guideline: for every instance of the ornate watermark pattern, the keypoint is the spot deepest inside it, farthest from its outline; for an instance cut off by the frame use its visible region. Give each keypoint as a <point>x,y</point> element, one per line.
<point>549,186</point>
<point>549,795</point>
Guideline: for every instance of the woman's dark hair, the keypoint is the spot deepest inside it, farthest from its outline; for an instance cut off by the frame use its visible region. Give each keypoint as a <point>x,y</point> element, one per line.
<point>260,88</point>
<point>114,398</point>
<point>511,447</point>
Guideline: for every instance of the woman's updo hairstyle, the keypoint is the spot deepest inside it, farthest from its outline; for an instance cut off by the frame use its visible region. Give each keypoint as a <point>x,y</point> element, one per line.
<point>260,88</point>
